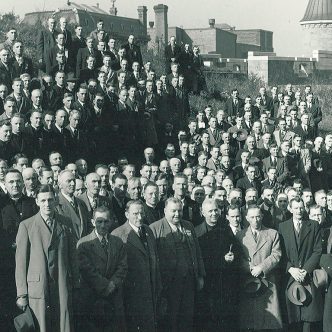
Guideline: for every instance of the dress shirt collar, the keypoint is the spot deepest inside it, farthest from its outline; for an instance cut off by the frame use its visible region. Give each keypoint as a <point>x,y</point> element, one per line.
<point>135,228</point>
<point>100,238</point>
<point>67,197</point>
<point>60,129</point>
<point>235,229</point>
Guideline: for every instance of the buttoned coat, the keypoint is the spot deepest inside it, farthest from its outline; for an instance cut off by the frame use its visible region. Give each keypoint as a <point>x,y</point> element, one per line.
<point>98,268</point>
<point>306,255</point>
<point>167,253</point>
<point>142,285</point>
<point>45,264</point>
<point>263,311</point>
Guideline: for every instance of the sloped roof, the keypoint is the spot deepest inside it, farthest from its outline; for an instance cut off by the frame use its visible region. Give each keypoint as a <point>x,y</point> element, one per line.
<point>91,9</point>
<point>318,10</point>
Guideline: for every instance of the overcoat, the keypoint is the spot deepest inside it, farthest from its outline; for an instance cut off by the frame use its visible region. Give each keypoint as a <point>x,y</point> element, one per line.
<point>305,255</point>
<point>142,284</point>
<point>97,269</point>
<point>45,264</point>
<point>261,312</point>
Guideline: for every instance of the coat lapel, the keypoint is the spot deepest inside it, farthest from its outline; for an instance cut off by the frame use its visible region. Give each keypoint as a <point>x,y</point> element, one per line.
<point>168,234</point>
<point>262,239</point>
<point>305,230</point>
<point>134,239</point>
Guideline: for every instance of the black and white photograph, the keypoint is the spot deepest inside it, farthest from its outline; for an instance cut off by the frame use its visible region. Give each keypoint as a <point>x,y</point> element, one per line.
<point>165,166</point>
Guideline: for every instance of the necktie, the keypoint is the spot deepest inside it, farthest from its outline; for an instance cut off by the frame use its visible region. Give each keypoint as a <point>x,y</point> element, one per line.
<point>104,243</point>
<point>49,223</point>
<point>73,204</point>
<point>298,227</point>
<point>94,203</point>
<point>142,235</point>
<point>75,133</point>
<point>180,233</point>
<point>255,234</point>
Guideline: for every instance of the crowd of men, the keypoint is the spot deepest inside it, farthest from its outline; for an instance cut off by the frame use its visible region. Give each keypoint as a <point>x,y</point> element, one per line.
<point>123,210</point>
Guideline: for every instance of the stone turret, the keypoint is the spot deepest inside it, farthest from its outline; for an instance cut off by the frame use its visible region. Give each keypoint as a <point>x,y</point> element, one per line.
<point>317,26</point>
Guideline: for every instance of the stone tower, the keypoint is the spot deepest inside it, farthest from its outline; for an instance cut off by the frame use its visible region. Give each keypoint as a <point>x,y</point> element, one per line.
<point>317,26</point>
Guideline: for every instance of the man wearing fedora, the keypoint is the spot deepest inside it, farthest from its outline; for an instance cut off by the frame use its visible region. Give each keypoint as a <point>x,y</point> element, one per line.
<point>302,249</point>
<point>260,309</point>
<point>45,266</point>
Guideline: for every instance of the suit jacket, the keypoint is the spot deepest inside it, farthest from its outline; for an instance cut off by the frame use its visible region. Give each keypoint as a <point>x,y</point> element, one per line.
<point>309,134</point>
<point>142,285</point>
<point>52,264</point>
<point>287,137</point>
<point>79,219</point>
<point>6,75</point>
<point>216,138</point>
<point>233,109</point>
<point>245,184</point>
<point>281,166</point>
<point>82,56</point>
<point>133,54</point>
<point>304,254</point>
<point>101,201</point>
<point>211,164</point>
<point>168,256</point>
<point>50,60</point>
<point>25,67</point>
<point>24,105</point>
<point>45,41</point>
<point>97,269</point>
<point>175,53</point>
<point>86,114</point>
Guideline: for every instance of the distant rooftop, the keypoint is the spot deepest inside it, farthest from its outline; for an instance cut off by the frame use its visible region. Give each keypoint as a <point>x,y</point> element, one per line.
<point>318,10</point>
<point>91,9</point>
<point>224,26</point>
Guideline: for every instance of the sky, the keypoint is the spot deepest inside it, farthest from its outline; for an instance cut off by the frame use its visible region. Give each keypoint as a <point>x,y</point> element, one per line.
<point>282,16</point>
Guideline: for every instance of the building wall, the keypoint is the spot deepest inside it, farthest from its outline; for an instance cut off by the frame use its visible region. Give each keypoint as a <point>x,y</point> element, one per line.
<point>317,37</point>
<point>205,39</point>
<point>260,38</point>
<point>225,43</point>
<point>243,49</point>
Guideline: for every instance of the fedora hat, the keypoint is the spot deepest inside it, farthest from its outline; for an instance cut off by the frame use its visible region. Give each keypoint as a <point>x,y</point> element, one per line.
<point>326,263</point>
<point>24,322</point>
<point>241,135</point>
<point>320,278</point>
<point>71,78</point>
<point>299,294</point>
<point>255,286</point>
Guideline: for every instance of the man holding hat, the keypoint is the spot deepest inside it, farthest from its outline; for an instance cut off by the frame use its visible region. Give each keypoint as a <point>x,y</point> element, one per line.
<point>259,306</point>
<point>302,249</point>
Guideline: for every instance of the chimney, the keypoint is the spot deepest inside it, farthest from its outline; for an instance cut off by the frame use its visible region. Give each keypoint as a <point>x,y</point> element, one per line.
<point>97,5</point>
<point>212,22</point>
<point>161,23</point>
<point>151,24</point>
<point>113,9</point>
<point>142,16</point>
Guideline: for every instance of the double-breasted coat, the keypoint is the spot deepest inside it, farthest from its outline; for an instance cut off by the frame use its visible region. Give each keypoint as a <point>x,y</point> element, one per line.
<point>304,254</point>
<point>263,311</point>
<point>45,268</point>
<point>97,269</point>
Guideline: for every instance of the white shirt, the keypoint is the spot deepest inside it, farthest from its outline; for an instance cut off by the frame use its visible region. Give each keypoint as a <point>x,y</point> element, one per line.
<point>68,198</point>
<point>135,228</point>
<point>100,238</point>
<point>235,229</point>
<point>3,187</point>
